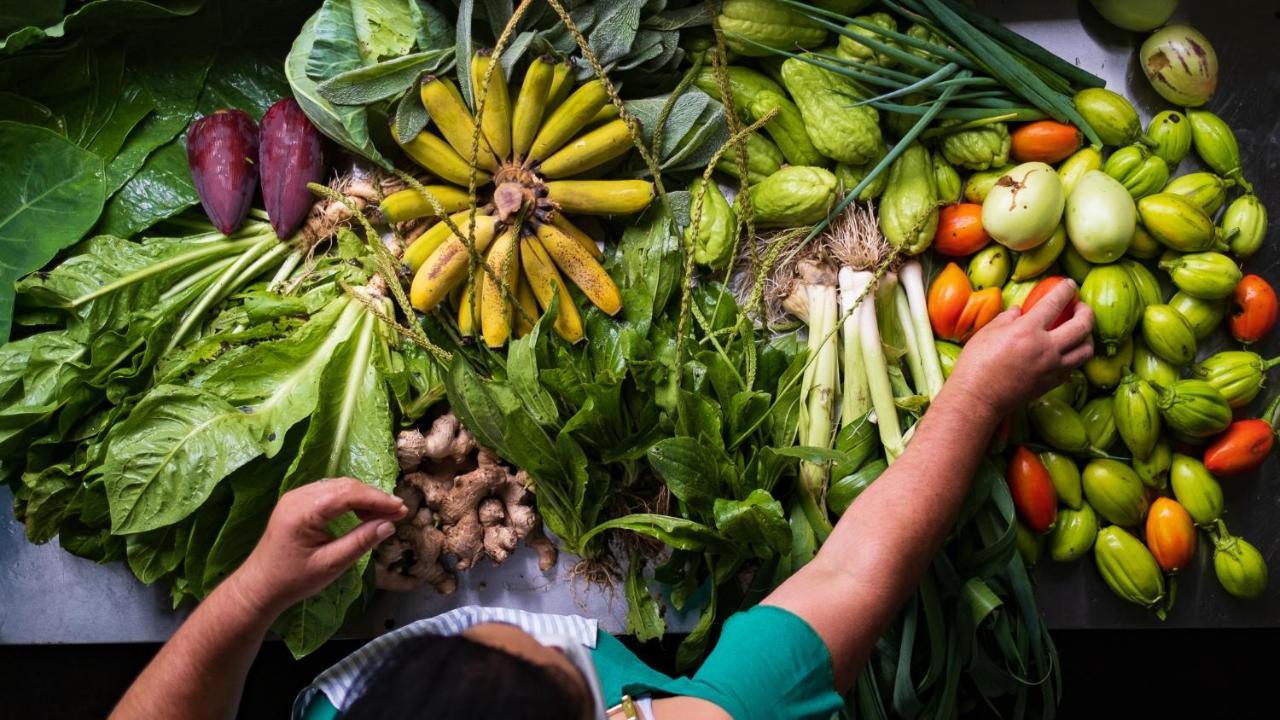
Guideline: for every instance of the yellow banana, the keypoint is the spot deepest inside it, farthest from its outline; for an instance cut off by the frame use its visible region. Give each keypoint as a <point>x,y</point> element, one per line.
<point>607,113</point>
<point>530,104</point>
<point>446,267</point>
<point>495,310</point>
<point>568,228</point>
<point>466,315</point>
<point>582,269</point>
<point>561,83</point>
<point>569,118</point>
<point>600,197</point>
<point>589,150</point>
<point>529,303</point>
<point>448,111</point>
<point>438,157</point>
<point>495,122</point>
<point>411,204</point>
<point>546,284</point>
<point>419,250</point>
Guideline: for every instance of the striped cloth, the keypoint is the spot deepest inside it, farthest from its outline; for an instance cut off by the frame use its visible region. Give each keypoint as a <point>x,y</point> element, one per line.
<point>337,682</point>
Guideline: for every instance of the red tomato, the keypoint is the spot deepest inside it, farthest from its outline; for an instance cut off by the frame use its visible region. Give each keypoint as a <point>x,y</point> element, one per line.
<point>1032,489</point>
<point>1240,448</point>
<point>1257,309</point>
<point>948,295</point>
<point>1171,534</point>
<point>1044,287</point>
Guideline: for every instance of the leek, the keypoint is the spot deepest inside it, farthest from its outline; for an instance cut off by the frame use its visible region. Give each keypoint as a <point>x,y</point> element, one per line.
<point>818,397</point>
<point>873,361</point>
<point>855,399</point>
<point>911,276</point>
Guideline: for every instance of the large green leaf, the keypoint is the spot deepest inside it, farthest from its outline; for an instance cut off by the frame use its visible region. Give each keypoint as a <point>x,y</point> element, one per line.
<point>384,28</point>
<point>50,195</point>
<point>166,457</point>
<point>101,15</point>
<point>160,189</point>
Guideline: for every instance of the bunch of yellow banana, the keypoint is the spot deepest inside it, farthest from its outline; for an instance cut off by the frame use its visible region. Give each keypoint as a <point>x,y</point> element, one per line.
<point>528,172</point>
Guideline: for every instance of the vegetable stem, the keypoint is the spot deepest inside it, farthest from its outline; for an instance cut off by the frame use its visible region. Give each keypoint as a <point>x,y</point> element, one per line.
<point>911,277</point>
<point>855,401</point>
<point>886,411</point>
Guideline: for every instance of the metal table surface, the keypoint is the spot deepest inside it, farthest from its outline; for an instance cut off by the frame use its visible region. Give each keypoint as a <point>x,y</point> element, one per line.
<point>50,596</point>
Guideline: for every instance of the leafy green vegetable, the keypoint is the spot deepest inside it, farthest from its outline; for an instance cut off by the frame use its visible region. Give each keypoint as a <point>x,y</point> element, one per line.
<point>371,83</point>
<point>54,193</point>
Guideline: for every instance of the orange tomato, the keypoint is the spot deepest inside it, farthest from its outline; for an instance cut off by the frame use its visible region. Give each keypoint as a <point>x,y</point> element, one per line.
<point>1171,534</point>
<point>1045,141</point>
<point>1240,448</point>
<point>1257,309</point>
<point>960,231</point>
<point>979,310</point>
<point>1042,288</point>
<point>947,297</point>
<point>1032,490</point>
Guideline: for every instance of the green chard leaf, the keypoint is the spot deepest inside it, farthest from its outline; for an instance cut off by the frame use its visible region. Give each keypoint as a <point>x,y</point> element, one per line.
<point>54,193</point>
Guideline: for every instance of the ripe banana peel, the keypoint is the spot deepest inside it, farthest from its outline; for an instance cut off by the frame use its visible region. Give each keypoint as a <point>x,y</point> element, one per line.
<point>589,150</point>
<point>569,118</point>
<point>495,306</point>
<point>436,156</point>
<point>600,197</point>
<point>546,284</point>
<point>576,233</point>
<point>411,204</point>
<point>447,265</point>
<point>421,249</point>
<point>582,269</point>
<point>528,304</point>
<point>450,113</point>
<point>495,120</point>
<point>531,103</point>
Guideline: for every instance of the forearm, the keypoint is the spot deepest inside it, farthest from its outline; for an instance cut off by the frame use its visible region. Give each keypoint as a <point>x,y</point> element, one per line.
<point>200,671</point>
<point>884,542</point>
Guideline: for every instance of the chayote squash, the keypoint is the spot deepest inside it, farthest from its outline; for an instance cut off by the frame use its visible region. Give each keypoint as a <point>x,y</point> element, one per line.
<point>752,27</point>
<point>852,49</point>
<point>713,240</point>
<point>909,205</point>
<point>838,128</point>
<point>979,148</point>
<point>763,159</point>
<point>795,195</point>
<point>754,96</point>
<point>850,175</point>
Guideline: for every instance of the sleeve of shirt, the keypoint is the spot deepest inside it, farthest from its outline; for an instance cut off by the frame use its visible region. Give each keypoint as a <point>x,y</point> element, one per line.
<point>769,665</point>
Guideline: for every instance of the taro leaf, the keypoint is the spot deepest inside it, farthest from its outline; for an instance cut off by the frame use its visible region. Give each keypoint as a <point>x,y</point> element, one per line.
<point>347,126</point>
<point>644,616</point>
<point>175,81</point>
<point>164,459</point>
<point>757,522</point>
<point>100,117</point>
<point>251,80</point>
<point>99,16</point>
<point>54,193</point>
<point>378,82</point>
<point>160,189</point>
<point>434,30</point>
<point>19,109</point>
<point>384,28</point>
<point>411,117</point>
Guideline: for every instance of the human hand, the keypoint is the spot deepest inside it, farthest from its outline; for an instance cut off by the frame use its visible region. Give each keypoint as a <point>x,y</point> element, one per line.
<point>1016,357</point>
<point>298,556</point>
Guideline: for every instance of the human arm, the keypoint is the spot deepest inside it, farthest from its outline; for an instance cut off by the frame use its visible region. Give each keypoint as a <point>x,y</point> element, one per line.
<point>200,671</point>
<point>883,543</point>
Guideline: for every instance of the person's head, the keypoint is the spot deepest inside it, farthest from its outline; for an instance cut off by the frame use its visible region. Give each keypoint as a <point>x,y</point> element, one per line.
<point>490,671</point>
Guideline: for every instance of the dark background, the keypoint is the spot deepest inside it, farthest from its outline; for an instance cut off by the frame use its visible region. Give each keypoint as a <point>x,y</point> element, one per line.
<point>1106,674</point>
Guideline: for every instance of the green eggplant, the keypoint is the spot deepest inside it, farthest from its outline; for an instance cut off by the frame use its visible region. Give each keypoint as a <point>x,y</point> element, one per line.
<point>1137,416</point>
<point>1194,408</point>
<point>1073,534</point>
<point>1196,489</point>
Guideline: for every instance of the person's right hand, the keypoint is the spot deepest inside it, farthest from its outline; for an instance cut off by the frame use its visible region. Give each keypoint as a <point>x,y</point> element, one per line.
<point>1016,358</point>
<point>298,556</point>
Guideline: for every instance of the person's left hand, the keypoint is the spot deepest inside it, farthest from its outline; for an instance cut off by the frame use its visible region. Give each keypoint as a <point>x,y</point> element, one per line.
<point>298,556</point>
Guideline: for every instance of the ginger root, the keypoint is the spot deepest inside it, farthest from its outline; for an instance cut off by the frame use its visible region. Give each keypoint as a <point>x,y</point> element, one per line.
<point>464,504</point>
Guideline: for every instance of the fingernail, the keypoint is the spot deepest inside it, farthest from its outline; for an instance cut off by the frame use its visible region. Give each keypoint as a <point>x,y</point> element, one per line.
<point>385,530</point>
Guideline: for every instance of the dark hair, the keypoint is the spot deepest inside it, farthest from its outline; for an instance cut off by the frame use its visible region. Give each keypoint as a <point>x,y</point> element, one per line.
<point>434,677</point>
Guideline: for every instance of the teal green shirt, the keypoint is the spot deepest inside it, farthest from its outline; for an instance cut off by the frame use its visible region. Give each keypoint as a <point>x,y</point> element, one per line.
<point>768,665</point>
